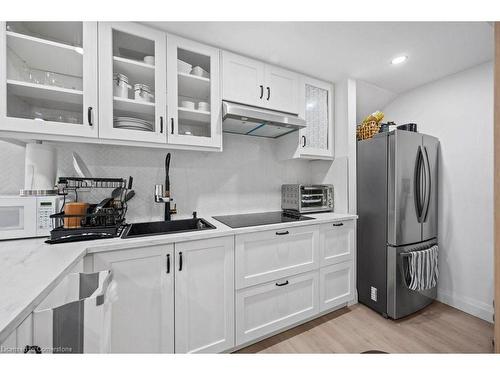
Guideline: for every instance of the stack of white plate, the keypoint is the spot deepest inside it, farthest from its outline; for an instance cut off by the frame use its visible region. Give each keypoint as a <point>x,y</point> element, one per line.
<point>132,124</point>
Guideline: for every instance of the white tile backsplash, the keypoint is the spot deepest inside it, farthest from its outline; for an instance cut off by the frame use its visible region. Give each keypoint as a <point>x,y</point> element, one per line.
<point>245,177</point>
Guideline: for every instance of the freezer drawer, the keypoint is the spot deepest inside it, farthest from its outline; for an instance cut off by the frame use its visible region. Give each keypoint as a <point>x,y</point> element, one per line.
<point>270,255</point>
<point>336,285</point>
<point>402,301</point>
<point>266,308</point>
<point>336,242</point>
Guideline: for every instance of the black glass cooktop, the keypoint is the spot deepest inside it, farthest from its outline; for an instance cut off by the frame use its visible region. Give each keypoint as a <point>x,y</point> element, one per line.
<point>261,218</point>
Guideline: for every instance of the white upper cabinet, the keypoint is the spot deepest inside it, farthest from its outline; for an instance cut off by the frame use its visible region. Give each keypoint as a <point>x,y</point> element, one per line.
<point>48,78</point>
<point>132,82</point>
<point>316,107</point>
<point>242,80</point>
<point>193,91</point>
<point>315,141</point>
<point>282,89</point>
<point>258,84</point>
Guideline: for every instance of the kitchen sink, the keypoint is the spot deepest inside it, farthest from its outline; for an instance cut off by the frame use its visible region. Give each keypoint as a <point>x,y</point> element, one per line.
<point>154,228</point>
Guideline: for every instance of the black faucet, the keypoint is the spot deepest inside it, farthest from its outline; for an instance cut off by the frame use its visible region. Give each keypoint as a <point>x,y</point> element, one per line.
<point>164,196</point>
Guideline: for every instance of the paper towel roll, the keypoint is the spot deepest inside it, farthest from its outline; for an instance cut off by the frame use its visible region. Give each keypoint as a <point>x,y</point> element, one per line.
<point>40,164</point>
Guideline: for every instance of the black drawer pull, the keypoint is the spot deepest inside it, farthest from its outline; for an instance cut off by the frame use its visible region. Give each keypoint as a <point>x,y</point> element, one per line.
<point>261,91</point>
<point>282,284</point>
<point>89,116</point>
<point>180,261</point>
<point>168,263</point>
<point>338,225</point>
<point>172,125</point>
<point>161,124</point>
<point>282,233</point>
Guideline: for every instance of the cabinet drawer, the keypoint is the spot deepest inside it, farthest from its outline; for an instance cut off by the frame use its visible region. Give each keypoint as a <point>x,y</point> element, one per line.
<point>270,255</point>
<point>336,285</point>
<point>336,242</point>
<point>263,309</point>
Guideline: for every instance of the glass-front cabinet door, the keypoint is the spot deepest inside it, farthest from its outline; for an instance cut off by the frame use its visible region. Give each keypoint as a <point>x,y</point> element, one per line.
<point>193,92</point>
<point>132,82</point>
<point>316,107</point>
<point>48,78</point>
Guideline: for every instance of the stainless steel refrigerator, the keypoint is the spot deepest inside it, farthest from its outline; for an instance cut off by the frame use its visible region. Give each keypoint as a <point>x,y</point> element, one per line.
<point>397,176</point>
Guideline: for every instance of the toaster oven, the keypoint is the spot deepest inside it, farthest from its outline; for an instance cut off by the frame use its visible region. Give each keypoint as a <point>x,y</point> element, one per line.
<point>307,198</point>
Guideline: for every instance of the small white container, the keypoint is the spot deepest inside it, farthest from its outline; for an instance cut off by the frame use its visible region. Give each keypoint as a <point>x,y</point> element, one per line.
<point>200,72</point>
<point>120,85</point>
<point>183,67</point>
<point>187,104</point>
<point>149,60</point>
<point>142,93</point>
<point>203,106</point>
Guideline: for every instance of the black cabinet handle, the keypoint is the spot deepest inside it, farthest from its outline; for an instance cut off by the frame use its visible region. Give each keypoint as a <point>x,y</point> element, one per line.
<point>282,284</point>
<point>180,261</point>
<point>172,125</point>
<point>168,263</point>
<point>282,233</point>
<point>268,92</point>
<point>161,124</point>
<point>89,116</point>
<point>303,141</point>
<point>338,225</point>
<point>261,91</point>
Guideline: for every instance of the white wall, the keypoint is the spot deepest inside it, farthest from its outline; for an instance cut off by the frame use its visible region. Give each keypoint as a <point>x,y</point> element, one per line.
<point>370,98</point>
<point>246,177</point>
<point>459,111</point>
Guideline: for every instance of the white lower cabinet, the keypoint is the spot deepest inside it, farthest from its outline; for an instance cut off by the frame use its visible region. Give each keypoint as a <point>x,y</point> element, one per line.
<point>204,295</point>
<point>143,314</point>
<point>336,242</point>
<point>268,307</point>
<point>269,255</point>
<point>336,285</point>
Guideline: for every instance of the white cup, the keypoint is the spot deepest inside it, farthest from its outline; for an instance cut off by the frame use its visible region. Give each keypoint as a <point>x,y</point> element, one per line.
<point>203,106</point>
<point>187,104</point>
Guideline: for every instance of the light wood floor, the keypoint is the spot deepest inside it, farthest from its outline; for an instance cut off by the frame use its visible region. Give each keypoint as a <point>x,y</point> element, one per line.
<point>437,329</point>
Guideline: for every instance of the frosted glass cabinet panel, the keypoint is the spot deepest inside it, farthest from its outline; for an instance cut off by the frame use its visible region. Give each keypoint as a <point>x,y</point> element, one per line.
<point>132,81</point>
<point>316,139</point>
<point>48,77</point>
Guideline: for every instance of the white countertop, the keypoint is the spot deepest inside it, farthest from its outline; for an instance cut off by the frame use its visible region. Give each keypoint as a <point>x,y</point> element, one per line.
<point>30,268</point>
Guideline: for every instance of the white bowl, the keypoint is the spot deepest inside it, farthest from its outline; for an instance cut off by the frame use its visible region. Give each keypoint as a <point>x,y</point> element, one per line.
<point>200,72</point>
<point>203,106</point>
<point>187,104</point>
<point>149,60</point>
<point>183,67</point>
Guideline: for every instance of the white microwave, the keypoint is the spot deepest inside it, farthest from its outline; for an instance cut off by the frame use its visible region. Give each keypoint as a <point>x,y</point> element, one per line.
<point>25,217</point>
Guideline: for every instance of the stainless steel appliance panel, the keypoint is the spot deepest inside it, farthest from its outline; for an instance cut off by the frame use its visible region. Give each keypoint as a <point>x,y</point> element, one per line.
<point>429,219</point>
<point>372,223</point>
<point>403,222</point>
<point>402,301</point>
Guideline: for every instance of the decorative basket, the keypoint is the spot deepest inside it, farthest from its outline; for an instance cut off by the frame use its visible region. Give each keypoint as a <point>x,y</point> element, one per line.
<point>367,130</point>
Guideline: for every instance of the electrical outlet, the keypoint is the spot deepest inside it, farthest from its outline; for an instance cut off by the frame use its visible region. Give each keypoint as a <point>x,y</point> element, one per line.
<point>373,293</point>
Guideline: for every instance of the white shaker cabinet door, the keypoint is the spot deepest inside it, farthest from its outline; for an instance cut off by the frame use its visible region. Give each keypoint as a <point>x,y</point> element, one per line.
<point>282,90</point>
<point>142,318</point>
<point>336,242</point>
<point>336,285</point>
<point>243,80</point>
<point>204,296</point>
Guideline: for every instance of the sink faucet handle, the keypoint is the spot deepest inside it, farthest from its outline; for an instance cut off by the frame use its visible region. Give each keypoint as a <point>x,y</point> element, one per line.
<point>194,214</point>
<point>173,210</point>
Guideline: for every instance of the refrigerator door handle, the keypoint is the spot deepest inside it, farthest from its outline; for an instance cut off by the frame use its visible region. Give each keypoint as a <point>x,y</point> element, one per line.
<point>417,185</point>
<point>428,184</point>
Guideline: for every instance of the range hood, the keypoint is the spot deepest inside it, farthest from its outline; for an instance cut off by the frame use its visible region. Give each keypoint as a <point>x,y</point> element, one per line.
<point>244,119</point>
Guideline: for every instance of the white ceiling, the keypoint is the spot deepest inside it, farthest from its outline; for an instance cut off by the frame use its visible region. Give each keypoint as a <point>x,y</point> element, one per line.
<point>362,50</point>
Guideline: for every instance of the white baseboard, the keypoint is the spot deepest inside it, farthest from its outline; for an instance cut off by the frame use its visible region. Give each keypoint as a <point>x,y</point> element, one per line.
<point>477,308</point>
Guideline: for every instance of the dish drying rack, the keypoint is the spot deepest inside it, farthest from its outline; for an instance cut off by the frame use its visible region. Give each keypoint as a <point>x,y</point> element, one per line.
<point>108,222</point>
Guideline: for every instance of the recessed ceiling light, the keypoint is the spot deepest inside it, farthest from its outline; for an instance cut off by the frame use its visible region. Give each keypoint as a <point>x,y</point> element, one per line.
<point>399,60</point>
